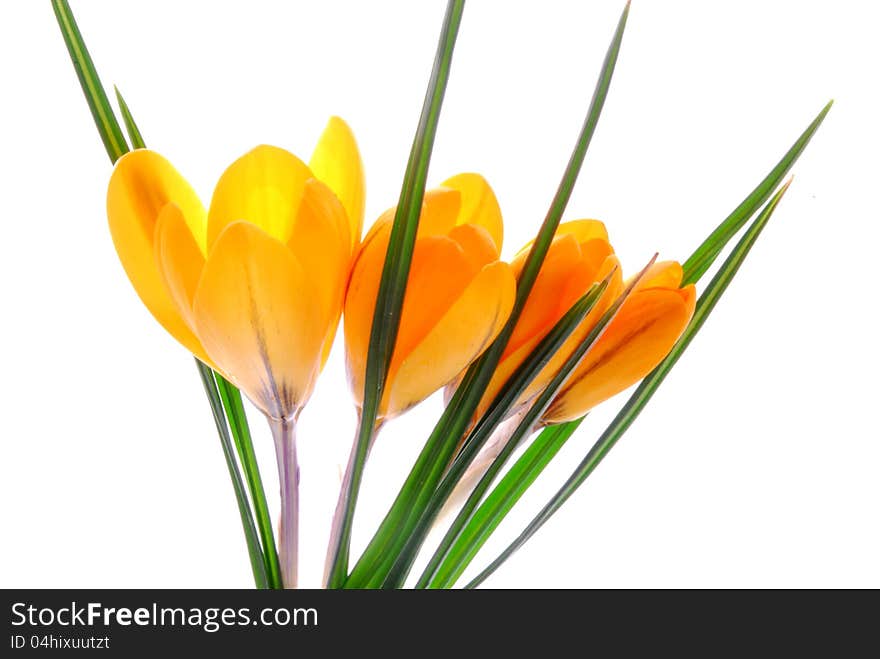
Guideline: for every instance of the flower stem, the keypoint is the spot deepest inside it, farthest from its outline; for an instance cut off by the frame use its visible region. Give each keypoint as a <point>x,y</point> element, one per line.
<point>481,463</point>
<point>284,433</point>
<point>344,493</point>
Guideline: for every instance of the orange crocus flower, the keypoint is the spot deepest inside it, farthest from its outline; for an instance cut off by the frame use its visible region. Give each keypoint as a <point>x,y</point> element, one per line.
<point>254,286</point>
<point>458,294</point>
<point>642,333</point>
<point>579,256</point>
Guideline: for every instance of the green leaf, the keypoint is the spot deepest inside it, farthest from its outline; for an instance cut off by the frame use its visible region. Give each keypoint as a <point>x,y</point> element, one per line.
<point>393,533</point>
<point>523,430</point>
<point>703,257</point>
<point>102,113</point>
<point>247,521</point>
<point>451,559</point>
<point>115,145</point>
<point>241,433</point>
<point>134,134</point>
<point>645,390</point>
<point>392,286</point>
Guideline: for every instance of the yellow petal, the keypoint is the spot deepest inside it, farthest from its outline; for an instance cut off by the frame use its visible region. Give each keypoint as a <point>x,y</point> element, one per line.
<point>457,339</point>
<point>478,205</point>
<point>144,183</point>
<point>254,311</point>
<point>644,330</point>
<point>336,162</point>
<point>179,258</point>
<point>263,187</point>
<point>321,244</point>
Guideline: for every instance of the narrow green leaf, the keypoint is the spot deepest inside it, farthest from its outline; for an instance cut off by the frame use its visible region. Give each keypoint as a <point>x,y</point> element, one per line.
<point>372,568</point>
<point>703,257</point>
<point>134,134</point>
<point>646,389</point>
<point>494,509</point>
<point>115,145</point>
<point>102,113</point>
<point>392,286</point>
<point>523,430</point>
<point>241,433</point>
<point>247,521</point>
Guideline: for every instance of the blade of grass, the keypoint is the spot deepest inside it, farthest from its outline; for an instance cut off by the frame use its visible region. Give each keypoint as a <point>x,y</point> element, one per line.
<point>451,560</point>
<point>372,568</point>
<point>465,458</point>
<point>247,520</point>
<point>241,433</point>
<point>523,430</point>
<point>703,257</point>
<point>134,133</point>
<point>115,145</point>
<point>102,113</point>
<point>392,286</point>
<point>646,389</point>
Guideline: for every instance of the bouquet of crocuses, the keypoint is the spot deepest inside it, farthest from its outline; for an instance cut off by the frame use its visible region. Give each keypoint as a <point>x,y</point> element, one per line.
<point>255,287</point>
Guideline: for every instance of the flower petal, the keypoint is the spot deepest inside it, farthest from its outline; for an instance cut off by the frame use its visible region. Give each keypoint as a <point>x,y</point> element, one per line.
<point>544,305</point>
<point>478,246</point>
<point>321,244</point>
<point>142,186</point>
<point>336,162</point>
<point>643,332</point>
<point>438,275</point>
<point>254,312</point>
<point>582,230</point>
<point>662,274</point>
<point>179,259</point>
<point>264,187</point>
<point>457,339</point>
<point>478,205</point>
<point>360,302</point>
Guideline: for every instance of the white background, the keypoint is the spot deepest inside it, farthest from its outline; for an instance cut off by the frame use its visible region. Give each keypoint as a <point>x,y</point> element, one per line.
<point>755,465</point>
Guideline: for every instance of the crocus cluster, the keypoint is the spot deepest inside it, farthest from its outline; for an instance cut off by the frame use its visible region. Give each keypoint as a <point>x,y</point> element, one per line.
<point>255,286</point>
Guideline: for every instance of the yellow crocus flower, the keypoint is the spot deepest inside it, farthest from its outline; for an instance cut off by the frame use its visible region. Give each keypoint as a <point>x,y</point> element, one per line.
<point>254,286</point>
<point>458,294</point>
<point>642,333</point>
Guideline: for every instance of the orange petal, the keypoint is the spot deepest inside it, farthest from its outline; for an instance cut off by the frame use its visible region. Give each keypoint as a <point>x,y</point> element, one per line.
<point>336,162</point>
<point>440,210</point>
<point>439,274</point>
<point>662,274</point>
<point>457,339</point>
<point>581,230</point>
<point>647,326</point>
<point>360,301</point>
<point>142,185</point>
<point>254,311</point>
<point>577,287</point>
<point>478,205</point>
<point>263,187</point>
<point>544,305</point>
<point>477,244</point>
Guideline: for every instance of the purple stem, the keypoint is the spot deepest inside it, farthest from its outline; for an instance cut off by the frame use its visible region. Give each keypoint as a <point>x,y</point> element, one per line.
<point>284,433</point>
